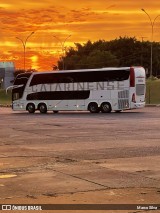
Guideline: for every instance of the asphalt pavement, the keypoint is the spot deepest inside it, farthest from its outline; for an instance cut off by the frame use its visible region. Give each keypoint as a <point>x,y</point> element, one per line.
<point>80,157</point>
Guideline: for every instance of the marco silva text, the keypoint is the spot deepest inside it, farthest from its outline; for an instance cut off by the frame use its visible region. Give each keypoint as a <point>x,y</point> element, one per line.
<point>147,207</point>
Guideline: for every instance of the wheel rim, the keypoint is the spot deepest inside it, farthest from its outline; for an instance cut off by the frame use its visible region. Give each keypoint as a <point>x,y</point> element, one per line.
<point>31,108</point>
<point>106,108</point>
<point>93,108</point>
<point>43,109</point>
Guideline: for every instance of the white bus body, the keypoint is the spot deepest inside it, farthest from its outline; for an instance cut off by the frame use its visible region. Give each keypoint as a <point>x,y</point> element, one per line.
<point>95,90</point>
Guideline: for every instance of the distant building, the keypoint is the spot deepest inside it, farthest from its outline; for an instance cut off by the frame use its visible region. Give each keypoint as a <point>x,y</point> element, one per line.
<point>6,74</point>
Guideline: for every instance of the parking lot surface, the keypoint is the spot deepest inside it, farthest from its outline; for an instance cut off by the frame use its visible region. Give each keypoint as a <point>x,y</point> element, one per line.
<point>79,157</point>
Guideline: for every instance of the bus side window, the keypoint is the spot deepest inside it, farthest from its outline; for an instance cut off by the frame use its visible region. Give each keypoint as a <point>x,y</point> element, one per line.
<point>70,80</point>
<point>66,80</point>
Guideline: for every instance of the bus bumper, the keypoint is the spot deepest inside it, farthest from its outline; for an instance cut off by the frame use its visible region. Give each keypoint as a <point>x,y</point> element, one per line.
<point>18,107</point>
<point>138,105</point>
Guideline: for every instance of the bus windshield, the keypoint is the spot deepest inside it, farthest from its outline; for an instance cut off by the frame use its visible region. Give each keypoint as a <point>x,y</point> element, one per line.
<point>19,85</point>
<point>22,79</point>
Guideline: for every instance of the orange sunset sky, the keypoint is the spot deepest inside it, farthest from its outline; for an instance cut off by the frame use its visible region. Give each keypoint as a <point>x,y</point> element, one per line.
<point>84,20</point>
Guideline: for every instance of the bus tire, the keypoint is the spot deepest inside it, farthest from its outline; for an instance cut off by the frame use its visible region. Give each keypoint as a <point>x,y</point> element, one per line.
<point>105,107</point>
<point>42,108</point>
<point>31,108</point>
<point>93,107</point>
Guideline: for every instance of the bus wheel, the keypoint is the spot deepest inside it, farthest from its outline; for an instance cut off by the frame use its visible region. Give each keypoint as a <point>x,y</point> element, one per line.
<point>42,108</point>
<point>55,111</point>
<point>31,108</point>
<point>93,107</point>
<point>105,107</point>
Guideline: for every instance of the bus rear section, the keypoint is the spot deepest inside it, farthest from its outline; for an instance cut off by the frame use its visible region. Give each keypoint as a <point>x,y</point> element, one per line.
<point>137,87</point>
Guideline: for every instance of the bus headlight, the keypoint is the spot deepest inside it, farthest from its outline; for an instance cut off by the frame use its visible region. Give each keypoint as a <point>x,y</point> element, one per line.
<point>21,105</point>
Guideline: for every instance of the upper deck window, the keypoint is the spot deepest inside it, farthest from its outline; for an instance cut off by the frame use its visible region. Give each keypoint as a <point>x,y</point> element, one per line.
<point>88,76</point>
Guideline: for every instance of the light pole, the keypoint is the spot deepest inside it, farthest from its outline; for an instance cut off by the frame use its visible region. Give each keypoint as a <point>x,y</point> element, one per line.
<point>63,47</point>
<point>152,26</point>
<point>24,47</point>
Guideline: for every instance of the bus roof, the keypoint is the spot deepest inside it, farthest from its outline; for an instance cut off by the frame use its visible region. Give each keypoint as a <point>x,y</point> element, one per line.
<point>83,70</point>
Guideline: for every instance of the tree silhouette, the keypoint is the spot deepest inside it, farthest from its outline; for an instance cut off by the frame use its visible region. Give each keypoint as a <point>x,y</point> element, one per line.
<point>124,51</point>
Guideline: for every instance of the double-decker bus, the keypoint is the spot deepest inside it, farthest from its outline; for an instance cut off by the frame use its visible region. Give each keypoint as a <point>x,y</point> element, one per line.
<point>105,90</point>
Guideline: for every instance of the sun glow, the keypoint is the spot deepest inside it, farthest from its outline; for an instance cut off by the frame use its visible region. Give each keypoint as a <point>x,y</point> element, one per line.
<point>34,62</point>
<point>3,5</point>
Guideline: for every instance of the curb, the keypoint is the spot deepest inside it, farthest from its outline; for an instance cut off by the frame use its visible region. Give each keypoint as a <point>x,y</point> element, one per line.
<point>5,105</point>
<point>152,105</point>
